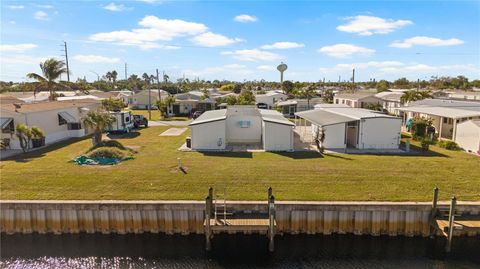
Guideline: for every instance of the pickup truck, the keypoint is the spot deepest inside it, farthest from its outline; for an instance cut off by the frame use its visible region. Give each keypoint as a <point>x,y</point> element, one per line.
<point>140,120</point>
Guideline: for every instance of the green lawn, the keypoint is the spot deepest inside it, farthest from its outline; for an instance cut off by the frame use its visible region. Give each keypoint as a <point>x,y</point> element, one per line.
<point>155,115</point>
<point>48,174</point>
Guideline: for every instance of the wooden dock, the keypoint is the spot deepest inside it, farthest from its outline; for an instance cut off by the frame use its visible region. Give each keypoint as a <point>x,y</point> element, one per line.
<point>229,221</point>
<point>448,222</point>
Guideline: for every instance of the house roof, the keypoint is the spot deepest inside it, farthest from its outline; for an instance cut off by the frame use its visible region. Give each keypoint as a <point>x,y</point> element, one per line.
<point>389,96</point>
<point>353,96</point>
<point>209,116</point>
<point>46,106</point>
<point>7,99</point>
<point>287,102</point>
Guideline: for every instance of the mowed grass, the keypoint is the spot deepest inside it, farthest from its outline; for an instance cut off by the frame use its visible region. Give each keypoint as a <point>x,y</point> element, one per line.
<point>153,174</point>
<point>155,115</point>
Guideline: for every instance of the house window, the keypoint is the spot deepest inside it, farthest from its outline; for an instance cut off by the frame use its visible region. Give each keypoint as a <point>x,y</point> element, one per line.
<point>127,119</point>
<point>74,126</point>
<point>244,124</point>
<point>61,120</point>
<point>336,101</point>
<point>445,120</point>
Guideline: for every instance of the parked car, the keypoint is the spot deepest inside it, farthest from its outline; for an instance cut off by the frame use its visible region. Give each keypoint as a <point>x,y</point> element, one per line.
<point>140,120</point>
<point>196,114</point>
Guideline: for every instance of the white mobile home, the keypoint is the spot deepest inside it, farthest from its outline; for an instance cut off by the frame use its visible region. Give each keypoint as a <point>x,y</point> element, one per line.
<point>347,127</point>
<point>58,119</point>
<point>123,122</point>
<point>242,125</point>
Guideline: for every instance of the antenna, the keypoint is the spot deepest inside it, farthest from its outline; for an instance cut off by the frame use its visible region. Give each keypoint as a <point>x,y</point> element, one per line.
<point>126,71</point>
<point>66,59</point>
<point>281,68</point>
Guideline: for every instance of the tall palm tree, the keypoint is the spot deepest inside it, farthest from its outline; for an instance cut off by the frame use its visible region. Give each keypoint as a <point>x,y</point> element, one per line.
<point>411,96</point>
<point>98,120</point>
<point>52,69</point>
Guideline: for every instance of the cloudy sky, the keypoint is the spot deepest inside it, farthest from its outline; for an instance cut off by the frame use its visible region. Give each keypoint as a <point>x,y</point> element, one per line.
<point>239,40</point>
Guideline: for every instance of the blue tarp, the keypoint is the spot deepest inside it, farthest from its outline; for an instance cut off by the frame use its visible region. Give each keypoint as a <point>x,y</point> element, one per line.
<point>84,160</point>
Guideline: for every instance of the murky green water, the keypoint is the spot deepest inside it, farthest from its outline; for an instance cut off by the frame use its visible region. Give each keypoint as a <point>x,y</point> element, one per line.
<point>162,251</point>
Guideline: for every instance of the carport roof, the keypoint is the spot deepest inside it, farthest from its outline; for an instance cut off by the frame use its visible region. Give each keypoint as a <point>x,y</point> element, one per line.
<point>323,118</point>
<point>275,117</point>
<point>447,112</point>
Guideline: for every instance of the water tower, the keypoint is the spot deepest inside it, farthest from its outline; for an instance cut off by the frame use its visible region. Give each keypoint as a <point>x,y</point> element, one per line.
<point>282,67</point>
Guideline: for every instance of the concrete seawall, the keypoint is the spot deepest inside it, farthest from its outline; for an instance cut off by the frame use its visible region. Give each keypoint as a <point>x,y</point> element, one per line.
<point>185,217</point>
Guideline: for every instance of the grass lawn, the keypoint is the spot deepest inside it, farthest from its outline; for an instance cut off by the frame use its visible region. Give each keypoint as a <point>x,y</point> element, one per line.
<point>155,115</point>
<point>48,174</point>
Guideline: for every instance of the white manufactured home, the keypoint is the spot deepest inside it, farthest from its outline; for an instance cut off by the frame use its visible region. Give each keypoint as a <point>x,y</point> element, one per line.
<point>242,125</point>
<point>468,136</point>
<point>347,127</point>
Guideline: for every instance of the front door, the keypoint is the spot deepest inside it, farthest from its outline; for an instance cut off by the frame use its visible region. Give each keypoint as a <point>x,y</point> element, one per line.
<point>352,134</point>
<point>176,109</point>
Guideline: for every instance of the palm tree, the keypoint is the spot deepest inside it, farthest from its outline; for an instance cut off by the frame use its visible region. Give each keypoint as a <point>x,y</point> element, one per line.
<point>52,69</point>
<point>146,78</point>
<point>411,96</point>
<point>98,120</point>
<point>24,135</point>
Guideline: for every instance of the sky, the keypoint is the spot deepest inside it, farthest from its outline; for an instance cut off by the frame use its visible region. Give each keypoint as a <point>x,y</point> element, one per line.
<point>244,40</point>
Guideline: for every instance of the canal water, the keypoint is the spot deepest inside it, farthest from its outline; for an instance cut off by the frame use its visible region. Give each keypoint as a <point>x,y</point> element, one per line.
<point>229,251</point>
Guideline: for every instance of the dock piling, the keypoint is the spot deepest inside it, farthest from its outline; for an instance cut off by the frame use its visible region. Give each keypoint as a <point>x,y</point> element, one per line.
<point>451,219</point>
<point>271,221</point>
<point>433,213</point>
<point>208,214</point>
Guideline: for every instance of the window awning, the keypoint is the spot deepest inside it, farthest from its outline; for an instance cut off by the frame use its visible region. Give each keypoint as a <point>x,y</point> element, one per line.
<point>67,117</point>
<point>323,118</point>
<point>4,122</point>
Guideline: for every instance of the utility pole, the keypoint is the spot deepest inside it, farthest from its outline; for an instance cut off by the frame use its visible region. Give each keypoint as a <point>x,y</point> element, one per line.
<point>353,79</point>
<point>126,71</point>
<point>66,59</point>
<point>159,91</point>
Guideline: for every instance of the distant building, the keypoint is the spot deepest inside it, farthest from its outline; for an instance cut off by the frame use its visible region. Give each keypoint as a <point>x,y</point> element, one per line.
<point>189,102</point>
<point>269,99</point>
<point>141,99</point>
<point>291,106</point>
<point>242,125</point>
<point>390,102</point>
<point>357,100</point>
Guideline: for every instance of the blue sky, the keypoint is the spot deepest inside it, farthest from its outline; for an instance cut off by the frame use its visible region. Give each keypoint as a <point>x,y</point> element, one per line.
<point>239,40</point>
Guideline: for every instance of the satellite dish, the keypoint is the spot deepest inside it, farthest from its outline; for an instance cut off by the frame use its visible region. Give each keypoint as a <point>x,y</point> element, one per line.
<point>282,67</point>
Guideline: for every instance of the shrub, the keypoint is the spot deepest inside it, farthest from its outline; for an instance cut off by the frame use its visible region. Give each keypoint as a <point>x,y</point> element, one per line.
<point>419,127</point>
<point>109,144</point>
<point>425,142</point>
<point>37,132</point>
<point>447,144</point>
<point>107,152</point>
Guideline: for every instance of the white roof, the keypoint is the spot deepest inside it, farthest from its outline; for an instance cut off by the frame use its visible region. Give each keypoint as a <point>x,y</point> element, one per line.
<point>287,103</point>
<point>447,112</point>
<point>79,97</point>
<point>333,114</point>
<point>274,116</point>
<point>209,116</point>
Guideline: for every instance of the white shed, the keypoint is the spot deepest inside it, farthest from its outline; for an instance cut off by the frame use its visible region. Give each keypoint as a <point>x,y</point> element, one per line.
<point>468,136</point>
<point>347,127</point>
<point>242,125</point>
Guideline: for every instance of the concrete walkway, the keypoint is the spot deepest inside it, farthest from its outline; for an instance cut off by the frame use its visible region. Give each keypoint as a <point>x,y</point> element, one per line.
<point>173,132</point>
<point>169,123</point>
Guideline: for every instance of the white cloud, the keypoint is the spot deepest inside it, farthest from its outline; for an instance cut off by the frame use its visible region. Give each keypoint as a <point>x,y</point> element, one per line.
<point>95,59</point>
<point>16,6</point>
<point>116,8</point>
<point>40,15</point>
<point>155,29</point>
<point>12,22</point>
<point>369,25</point>
<point>283,45</point>
<point>345,50</point>
<point>17,47</point>
<point>22,59</point>
<point>210,39</point>
<point>426,41</point>
<point>150,1</point>
<point>253,55</point>
<point>245,18</point>
<point>266,68</point>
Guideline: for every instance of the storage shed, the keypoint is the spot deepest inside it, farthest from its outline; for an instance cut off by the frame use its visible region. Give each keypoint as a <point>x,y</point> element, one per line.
<point>347,127</point>
<point>245,126</point>
<point>468,136</point>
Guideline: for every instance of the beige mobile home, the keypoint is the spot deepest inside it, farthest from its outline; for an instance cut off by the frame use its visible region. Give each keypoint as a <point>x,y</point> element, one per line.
<point>242,126</point>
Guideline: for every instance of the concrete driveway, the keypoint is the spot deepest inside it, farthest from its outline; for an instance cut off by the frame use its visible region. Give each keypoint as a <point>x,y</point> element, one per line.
<point>169,123</point>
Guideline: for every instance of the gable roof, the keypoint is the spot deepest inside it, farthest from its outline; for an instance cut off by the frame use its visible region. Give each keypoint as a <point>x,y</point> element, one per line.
<point>209,116</point>
<point>46,106</point>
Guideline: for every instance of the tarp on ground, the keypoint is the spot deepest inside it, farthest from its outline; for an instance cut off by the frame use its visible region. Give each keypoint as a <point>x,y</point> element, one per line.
<point>84,160</point>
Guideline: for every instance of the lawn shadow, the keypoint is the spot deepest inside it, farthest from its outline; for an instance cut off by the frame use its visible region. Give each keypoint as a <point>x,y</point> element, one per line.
<point>417,151</point>
<point>29,156</point>
<point>227,154</point>
<point>337,156</point>
<point>299,155</point>
<point>129,135</point>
